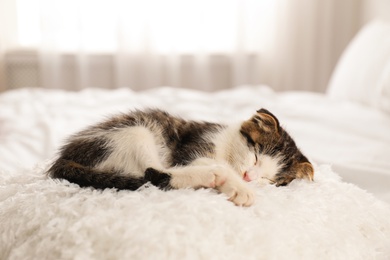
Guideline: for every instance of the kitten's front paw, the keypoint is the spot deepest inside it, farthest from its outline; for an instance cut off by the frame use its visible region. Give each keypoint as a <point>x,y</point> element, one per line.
<point>218,176</point>
<point>238,193</point>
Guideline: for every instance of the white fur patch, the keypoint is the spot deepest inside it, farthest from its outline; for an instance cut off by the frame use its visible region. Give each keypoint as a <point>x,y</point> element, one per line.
<point>265,169</point>
<point>135,149</point>
<point>268,165</point>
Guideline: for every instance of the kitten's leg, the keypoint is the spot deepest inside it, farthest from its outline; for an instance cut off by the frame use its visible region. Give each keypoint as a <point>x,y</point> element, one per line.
<point>197,176</point>
<point>185,177</point>
<point>205,172</point>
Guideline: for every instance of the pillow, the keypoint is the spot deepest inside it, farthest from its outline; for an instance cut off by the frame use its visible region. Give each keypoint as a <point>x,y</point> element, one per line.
<point>363,72</point>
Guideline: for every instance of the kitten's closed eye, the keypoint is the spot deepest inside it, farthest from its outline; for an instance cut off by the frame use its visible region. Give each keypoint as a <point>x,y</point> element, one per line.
<point>256,159</point>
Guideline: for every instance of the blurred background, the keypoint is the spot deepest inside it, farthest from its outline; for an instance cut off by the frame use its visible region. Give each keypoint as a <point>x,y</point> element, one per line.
<point>200,44</point>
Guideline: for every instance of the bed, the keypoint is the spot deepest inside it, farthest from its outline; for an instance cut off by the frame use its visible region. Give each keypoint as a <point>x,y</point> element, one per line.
<point>343,214</point>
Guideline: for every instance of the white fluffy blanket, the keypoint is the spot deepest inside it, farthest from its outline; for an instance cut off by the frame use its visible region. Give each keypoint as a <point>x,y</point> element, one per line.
<point>42,218</point>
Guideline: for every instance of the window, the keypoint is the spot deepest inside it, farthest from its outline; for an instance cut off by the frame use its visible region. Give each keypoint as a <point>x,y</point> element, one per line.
<point>162,26</point>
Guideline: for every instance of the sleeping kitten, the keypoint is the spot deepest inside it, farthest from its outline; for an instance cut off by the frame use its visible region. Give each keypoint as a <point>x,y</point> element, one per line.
<point>153,146</point>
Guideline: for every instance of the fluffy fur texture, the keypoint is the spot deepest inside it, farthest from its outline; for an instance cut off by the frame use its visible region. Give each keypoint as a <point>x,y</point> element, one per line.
<point>129,150</point>
<point>43,218</point>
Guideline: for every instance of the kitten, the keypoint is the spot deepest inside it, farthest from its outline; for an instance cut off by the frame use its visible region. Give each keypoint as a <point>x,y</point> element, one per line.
<point>153,146</point>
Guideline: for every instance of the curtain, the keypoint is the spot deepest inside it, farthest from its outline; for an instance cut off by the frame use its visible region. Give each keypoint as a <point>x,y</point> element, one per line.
<point>199,44</point>
<point>309,36</point>
<point>7,36</point>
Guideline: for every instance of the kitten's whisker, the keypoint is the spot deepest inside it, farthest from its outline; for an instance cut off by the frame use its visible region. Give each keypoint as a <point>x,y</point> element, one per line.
<point>271,181</point>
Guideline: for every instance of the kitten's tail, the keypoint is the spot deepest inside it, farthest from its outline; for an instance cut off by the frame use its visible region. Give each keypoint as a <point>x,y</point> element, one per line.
<point>90,177</point>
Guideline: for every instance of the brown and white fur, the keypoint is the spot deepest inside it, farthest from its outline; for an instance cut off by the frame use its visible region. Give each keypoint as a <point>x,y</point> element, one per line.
<point>129,150</point>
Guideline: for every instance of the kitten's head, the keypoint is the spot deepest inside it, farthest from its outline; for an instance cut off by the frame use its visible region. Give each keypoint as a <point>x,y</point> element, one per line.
<point>274,156</point>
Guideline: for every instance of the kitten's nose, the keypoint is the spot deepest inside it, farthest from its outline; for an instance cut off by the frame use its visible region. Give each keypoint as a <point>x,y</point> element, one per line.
<point>246,177</point>
<point>250,176</point>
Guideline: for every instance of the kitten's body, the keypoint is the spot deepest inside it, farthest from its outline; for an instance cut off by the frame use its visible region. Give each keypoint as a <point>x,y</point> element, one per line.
<point>131,149</point>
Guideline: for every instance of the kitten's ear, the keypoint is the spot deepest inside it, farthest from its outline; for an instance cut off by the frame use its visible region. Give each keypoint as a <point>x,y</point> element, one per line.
<point>305,171</point>
<point>263,125</point>
<point>250,130</point>
<point>268,120</point>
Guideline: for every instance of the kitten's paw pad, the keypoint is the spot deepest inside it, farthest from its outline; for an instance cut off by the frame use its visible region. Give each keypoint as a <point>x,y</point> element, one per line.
<point>238,194</point>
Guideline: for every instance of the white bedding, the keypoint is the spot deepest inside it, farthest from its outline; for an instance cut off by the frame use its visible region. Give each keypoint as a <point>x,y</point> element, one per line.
<point>353,138</point>
<point>328,219</point>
